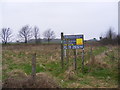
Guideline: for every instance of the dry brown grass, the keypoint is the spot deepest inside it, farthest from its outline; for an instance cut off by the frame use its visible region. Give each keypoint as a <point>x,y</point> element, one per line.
<point>19,79</point>
<point>98,61</point>
<point>70,74</point>
<point>45,53</point>
<point>17,73</point>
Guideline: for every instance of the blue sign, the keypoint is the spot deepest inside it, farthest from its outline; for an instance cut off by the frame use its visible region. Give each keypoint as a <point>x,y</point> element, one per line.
<point>73,42</point>
<point>74,47</point>
<point>72,36</point>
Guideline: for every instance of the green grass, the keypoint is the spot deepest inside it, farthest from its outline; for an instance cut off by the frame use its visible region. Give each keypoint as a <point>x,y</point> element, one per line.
<point>21,54</point>
<point>108,75</point>
<point>81,75</point>
<point>85,82</point>
<point>101,73</point>
<point>25,67</point>
<point>96,51</point>
<point>54,67</point>
<point>99,50</point>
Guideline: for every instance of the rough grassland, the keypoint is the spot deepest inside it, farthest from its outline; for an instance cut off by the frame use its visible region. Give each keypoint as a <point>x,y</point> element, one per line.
<point>99,71</point>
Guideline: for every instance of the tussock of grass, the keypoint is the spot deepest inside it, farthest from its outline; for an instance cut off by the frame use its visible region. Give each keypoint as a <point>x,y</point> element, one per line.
<point>20,80</point>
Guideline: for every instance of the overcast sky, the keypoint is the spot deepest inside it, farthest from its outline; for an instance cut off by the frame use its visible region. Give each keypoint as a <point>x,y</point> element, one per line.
<point>92,19</point>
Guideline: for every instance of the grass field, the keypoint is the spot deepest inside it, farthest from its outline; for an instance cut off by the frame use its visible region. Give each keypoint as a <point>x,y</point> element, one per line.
<point>99,71</point>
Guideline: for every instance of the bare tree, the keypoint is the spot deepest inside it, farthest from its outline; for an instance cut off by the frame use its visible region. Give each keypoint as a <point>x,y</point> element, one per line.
<point>25,33</point>
<point>118,39</point>
<point>49,35</point>
<point>110,34</point>
<point>109,38</point>
<point>6,34</point>
<point>36,34</point>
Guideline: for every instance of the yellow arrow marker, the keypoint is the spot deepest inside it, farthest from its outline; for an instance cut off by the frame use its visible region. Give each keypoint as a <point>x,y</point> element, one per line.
<point>79,41</point>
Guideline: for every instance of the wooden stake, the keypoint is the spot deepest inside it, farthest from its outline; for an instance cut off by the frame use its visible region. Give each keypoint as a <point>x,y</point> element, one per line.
<point>91,52</point>
<point>83,56</point>
<point>75,63</point>
<point>76,52</point>
<point>67,52</point>
<point>34,66</point>
<point>62,51</point>
<point>83,59</point>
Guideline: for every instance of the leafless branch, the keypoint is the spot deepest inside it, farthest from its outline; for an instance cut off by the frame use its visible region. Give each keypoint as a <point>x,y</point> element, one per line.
<point>6,34</point>
<point>49,35</point>
<point>25,33</point>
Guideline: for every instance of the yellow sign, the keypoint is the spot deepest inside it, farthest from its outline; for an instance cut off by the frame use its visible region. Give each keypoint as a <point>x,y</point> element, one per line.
<point>79,41</point>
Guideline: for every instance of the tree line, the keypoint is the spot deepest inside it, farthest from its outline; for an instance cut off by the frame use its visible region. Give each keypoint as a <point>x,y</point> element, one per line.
<point>110,38</point>
<point>26,33</point>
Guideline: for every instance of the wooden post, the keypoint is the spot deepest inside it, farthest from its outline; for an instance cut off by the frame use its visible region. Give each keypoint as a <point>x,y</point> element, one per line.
<point>62,51</point>
<point>76,52</point>
<point>83,60</point>
<point>92,59</point>
<point>91,52</point>
<point>75,63</point>
<point>34,66</point>
<point>67,52</point>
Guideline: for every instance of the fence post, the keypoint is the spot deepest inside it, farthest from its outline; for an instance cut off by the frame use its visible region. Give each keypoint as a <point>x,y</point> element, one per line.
<point>75,63</point>
<point>92,58</point>
<point>76,52</point>
<point>62,51</point>
<point>34,66</point>
<point>67,53</point>
<point>83,60</point>
<point>91,52</point>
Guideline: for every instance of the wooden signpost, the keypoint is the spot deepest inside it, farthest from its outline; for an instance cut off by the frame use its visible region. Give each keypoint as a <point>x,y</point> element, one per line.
<point>72,42</point>
<point>62,51</point>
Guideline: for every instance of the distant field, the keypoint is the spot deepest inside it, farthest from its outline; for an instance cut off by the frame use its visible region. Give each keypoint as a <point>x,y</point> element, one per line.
<point>100,71</point>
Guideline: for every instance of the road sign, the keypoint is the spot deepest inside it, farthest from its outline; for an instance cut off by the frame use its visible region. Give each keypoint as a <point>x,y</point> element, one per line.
<point>73,41</point>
